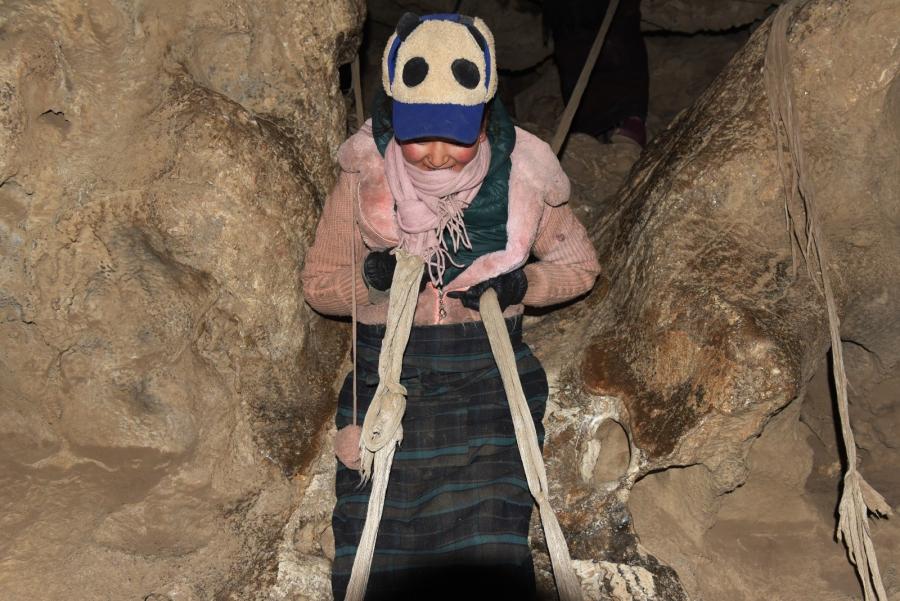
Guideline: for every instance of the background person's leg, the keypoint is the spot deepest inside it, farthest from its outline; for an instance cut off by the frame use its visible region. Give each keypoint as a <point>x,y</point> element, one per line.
<point>619,84</point>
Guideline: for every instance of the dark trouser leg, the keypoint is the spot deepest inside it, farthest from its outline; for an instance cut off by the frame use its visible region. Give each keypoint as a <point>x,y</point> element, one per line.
<point>619,84</point>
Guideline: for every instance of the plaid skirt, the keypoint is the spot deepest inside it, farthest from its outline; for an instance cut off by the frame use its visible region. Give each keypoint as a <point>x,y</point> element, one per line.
<point>457,506</point>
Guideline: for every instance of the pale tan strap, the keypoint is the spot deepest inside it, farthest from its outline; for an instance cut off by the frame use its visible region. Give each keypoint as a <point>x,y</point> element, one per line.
<point>526,437</point>
<point>382,430</point>
<point>565,121</point>
<point>362,563</point>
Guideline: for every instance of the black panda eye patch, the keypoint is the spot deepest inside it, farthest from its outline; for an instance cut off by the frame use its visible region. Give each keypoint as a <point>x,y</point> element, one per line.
<point>465,72</point>
<point>414,71</point>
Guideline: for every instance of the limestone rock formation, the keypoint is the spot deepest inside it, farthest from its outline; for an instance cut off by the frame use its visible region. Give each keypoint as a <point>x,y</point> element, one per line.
<point>161,378</point>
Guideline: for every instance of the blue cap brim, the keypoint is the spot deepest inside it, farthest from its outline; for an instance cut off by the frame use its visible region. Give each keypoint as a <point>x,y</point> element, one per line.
<point>448,121</point>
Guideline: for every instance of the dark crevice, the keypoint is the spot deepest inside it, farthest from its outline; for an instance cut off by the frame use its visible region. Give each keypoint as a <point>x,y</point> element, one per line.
<point>57,120</point>
<point>745,28</point>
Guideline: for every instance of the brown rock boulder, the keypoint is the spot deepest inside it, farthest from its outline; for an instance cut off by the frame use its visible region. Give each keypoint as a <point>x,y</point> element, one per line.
<point>161,378</point>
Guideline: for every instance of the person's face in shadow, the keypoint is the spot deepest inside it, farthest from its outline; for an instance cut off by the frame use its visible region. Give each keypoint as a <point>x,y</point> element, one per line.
<point>432,154</point>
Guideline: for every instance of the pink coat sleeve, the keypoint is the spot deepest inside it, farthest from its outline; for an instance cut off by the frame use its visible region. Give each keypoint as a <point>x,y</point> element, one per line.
<point>567,262</point>
<point>328,274</point>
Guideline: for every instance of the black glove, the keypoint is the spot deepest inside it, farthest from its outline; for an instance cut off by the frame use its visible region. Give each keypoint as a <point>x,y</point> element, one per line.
<point>510,289</point>
<point>378,269</point>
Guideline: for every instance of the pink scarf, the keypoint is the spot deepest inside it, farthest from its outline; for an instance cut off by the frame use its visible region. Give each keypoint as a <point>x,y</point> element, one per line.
<point>432,202</point>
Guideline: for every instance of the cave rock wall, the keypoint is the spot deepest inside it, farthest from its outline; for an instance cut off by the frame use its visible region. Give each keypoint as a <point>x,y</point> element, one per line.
<point>162,168</point>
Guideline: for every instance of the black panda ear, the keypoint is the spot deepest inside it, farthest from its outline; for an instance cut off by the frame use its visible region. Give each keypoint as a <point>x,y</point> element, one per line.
<point>405,26</point>
<point>479,39</point>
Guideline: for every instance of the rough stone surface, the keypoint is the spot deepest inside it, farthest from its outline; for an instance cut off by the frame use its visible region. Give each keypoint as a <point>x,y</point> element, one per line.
<point>307,545</point>
<point>692,16</point>
<point>681,68</point>
<point>161,378</point>
<point>685,254</point>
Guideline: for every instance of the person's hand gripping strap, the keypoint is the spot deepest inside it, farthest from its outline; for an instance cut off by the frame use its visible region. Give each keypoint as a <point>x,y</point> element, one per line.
<point>378,269</point>
<point>509,287</point>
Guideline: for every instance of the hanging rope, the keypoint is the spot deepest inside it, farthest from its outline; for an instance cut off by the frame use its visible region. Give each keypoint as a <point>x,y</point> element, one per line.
<point>565,121</point>
<point>857,497</point>
<point>382,430</point>
<point>526,438</point>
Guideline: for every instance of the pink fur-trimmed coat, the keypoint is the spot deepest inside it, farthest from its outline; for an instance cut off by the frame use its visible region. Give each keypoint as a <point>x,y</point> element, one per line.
<point>540,223</point>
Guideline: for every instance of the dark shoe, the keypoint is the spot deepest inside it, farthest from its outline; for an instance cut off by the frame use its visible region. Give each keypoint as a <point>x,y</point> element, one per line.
<point>631,130</point>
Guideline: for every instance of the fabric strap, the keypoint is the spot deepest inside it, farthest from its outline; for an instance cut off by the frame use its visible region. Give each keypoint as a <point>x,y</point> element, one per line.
<point>382,430</point>
<point>567,582</point>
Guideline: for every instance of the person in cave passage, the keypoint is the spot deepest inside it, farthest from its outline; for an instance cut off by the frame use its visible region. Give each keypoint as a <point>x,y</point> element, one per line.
<point>440,171</point>
<point>614,105</point>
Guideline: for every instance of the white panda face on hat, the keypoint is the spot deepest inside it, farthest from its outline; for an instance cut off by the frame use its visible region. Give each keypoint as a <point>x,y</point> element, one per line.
<point>441,62</point>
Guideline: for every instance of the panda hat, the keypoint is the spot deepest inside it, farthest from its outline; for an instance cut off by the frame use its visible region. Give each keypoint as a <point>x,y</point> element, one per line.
<point>440,71</point>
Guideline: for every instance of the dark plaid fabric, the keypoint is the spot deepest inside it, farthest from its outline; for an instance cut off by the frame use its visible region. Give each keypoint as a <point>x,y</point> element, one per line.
<point>457,506</point>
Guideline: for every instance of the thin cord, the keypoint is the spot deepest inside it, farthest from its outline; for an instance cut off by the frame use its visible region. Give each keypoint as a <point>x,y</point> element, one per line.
<point>360,119</point>
<point>353,302</point>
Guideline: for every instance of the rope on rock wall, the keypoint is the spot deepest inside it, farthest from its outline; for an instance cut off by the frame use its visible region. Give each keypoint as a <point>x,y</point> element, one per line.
<point>565,121</point>
<point>858,497</point>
